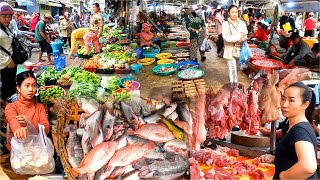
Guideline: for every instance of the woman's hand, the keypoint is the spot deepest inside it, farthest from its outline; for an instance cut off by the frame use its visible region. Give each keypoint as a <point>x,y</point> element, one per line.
<point>22,120</point>
<point>266,158</point>
<point>20,133</point>
<point>11,64</point>
<point>291,63</point>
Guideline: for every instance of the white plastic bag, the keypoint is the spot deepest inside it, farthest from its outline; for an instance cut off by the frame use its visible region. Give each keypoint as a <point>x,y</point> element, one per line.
<point>205,47</point>
<point>33,154</point>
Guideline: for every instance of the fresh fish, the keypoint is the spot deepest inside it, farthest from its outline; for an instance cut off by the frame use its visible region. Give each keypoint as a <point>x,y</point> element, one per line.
<point>154,118</point>
<point>169,109</point>
<point>99,138</point>
<point>172,167</point>
<point>183,125</point>
<point>124,157</point>
<point>122,141</point>
<point>86,143</point>
<point>107,125</point>
<point>157,153</point>
<point>154,132</point>
<point>80,131</point>
<point>96,158</point>
<point>173,116</point>
<point>83,119</point>
<point>183,111</point>
<point>131,139</point>
<point>119,171</point>
<point>133,175</point>
<point>177,132</point>
<point>130,153</point>
<point>118,132</point>
<point>129,116</point>
<point>74,149</point>
<point>175,146</point>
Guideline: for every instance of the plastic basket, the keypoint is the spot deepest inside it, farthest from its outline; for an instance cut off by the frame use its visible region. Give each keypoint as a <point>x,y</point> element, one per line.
<point>158,67</point>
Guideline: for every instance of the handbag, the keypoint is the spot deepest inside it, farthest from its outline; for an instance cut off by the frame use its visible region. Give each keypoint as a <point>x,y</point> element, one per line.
<point>20,53</point>
<point>235,48</point>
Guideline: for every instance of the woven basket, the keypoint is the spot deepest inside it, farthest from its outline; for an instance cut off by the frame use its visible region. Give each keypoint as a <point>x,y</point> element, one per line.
<point>64,118</point>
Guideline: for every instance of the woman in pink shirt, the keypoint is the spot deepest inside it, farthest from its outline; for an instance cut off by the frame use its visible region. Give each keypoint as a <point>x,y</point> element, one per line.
<point>146,35</point>
<point>34,21</point>
<point>310,25</point>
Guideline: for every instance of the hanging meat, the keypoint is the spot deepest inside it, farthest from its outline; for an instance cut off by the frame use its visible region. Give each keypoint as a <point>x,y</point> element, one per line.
<point>226,110</point>
<point>252,119</point>
<point>294,75</point>
<point>269,99</point>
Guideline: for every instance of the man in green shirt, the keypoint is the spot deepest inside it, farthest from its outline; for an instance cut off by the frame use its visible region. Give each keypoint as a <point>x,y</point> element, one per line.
<point>43,39</point>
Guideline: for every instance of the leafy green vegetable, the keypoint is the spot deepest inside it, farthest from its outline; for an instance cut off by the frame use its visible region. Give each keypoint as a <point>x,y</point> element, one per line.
<point>47,75</point>
<point>83,89</point>
<point>47,95</point>
<point>71,71</point>
<point>83,50</point>
<point>85,76</point>
<point>112,83</point>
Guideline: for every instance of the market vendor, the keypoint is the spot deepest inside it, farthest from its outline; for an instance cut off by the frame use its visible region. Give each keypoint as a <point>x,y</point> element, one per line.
<point>146,35</point>
<point>316,46</point>
<point>25,108</point>
<point>95,30</point>
<point>295,156</point>
<point>260,34</point>
<point>299,53</point>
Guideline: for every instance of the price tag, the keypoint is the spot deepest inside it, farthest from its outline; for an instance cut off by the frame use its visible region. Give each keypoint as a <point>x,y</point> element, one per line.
<point>233,76</point>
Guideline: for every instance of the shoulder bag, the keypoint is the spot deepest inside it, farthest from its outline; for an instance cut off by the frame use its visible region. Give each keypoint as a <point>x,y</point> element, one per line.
<point>21,52</point>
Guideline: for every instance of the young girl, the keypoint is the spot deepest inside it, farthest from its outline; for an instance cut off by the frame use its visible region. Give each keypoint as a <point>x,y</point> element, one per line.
<point>26,107</point>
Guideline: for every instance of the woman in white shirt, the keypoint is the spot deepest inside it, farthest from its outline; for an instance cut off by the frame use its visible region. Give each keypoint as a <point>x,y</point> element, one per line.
<point>7,66</point>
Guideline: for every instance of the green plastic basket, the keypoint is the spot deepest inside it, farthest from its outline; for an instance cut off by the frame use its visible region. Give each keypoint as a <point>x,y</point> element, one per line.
<point>158,67</point>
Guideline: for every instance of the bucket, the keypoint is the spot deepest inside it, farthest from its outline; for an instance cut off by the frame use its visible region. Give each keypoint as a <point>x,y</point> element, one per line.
<point>57,45</point>
<point>59,62</point>
<point>138,51</point>
<point>136,68</point>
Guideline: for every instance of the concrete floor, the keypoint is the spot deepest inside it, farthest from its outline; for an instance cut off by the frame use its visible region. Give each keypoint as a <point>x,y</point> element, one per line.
<point>216,73</point>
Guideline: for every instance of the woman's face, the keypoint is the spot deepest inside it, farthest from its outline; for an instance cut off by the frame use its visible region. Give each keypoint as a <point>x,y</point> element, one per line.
<point>95,8</point>
<point>28,88</point>
<point>233,14</point>
<point>292,102</point>
<point>5,19</point>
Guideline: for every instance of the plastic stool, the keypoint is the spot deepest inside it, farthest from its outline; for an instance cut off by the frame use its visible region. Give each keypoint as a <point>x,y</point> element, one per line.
<point>136,68</point>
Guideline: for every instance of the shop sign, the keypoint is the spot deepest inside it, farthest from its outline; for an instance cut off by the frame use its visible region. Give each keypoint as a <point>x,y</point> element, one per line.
<point>42,1</point>
<point>312,6</point>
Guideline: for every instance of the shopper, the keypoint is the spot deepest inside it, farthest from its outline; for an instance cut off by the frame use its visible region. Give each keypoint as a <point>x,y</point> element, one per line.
<point>76,19</point>
<point>43,38</point>
<point>66,28</point>
<point>22,23</point>
<point>299,53</point>
<point>234,33</point>
<point>7,66</point>
<point>95,30</point>
<point>198,32</point>
<point>310,25</point>
<point>295,156</point>
<point>34,21</point>
<point>25,108</point>
<point>284,19</point>
<point>219,19</point>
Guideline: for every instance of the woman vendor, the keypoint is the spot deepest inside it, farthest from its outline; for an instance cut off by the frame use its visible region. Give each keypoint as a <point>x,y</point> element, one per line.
<point>95,30</point>
<point>299,53</point>
<point>25,108</point>
<point>146,35</point>
<point>295,156</point>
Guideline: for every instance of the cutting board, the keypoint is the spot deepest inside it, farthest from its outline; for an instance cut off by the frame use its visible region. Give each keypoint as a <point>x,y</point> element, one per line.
<point>238,137</point>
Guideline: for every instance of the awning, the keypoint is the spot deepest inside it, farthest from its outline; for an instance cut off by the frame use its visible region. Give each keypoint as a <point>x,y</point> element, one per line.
<point>25,3</point>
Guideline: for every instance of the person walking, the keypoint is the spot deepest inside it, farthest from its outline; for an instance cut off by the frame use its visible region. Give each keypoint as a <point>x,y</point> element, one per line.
<point>43,39</point>
<point>310,25</point>
<point>219,19</point>
<point>76,20</point>
<point>34,21</point>
<point>234,33</point>
<point>7,67</point>
<point>66,28</point>
<point>197,30</point>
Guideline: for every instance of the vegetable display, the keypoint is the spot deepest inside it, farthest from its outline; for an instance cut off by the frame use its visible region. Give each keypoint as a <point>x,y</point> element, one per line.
<point>122,96</point>
<point>112,83</point>
<point>83,89</point>
<point>46,95</point>
<point>47,75</point>
<point>82,51</point>
<point>88,77</point>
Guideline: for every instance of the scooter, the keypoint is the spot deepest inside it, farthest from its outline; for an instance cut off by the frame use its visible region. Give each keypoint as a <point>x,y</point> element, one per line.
<point>28,39</point>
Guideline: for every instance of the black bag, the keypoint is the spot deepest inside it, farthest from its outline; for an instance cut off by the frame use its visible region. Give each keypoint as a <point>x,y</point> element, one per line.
<point>21,52</point>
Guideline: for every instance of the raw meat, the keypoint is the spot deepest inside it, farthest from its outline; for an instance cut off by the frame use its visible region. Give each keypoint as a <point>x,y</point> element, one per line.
<point>296,75</point>
<point>195,171</point>
<point>269,100</point>
<point>199,131</point>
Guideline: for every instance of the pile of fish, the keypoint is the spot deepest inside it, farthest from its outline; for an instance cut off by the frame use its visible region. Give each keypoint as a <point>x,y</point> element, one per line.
<point>115,141</point>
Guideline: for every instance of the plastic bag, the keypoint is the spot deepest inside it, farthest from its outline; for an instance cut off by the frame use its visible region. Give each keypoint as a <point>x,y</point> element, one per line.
<point>286,27</point>
<point>33,154</point>
<point>59,62</point>
<point>245,53</point>
<point>205,46</point>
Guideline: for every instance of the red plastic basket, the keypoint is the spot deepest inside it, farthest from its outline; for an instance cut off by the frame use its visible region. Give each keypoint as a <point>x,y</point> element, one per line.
<point>267,64</point>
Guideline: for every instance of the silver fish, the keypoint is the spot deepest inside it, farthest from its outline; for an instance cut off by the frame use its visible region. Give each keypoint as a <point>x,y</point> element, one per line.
<point>118,171</point>
<point>107,124</point>
<point>173,116</point>
<point>169,109</point>
<point>131,139</point>
<point>122,141</point>
<point>74,149</point>
<point>173,166</point>
<point>128,115</point>
<point>183,111</point>
<point>175,146</point>
<point>99,138</point>
<point>166,112</point>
